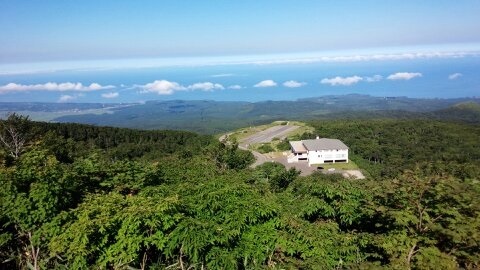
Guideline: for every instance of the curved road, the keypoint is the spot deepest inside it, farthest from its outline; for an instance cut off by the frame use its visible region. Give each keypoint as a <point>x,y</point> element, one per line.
<point>259,157</point>
<point>262,137</point>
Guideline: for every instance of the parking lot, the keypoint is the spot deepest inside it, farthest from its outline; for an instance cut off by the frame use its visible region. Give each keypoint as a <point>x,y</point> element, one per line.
<point>268,134</point>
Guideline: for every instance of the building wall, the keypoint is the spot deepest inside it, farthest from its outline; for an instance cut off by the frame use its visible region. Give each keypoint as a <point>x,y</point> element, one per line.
<point>298,157</point>
<point>319,157</point>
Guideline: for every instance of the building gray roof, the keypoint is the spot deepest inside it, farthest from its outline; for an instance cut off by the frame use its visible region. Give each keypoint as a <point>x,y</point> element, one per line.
<point>298,147</point>
<point>324,144</point>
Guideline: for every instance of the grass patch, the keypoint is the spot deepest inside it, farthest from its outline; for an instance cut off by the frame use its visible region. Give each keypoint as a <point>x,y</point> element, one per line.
<point>339,166</point>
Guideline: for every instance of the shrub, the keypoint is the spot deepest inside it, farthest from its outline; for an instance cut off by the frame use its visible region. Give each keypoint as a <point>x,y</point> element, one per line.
<point>265,148</point>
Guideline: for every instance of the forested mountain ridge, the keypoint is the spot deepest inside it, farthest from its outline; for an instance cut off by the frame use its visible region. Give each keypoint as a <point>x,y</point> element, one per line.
<point>80,197</point>
<point>213,117</point>
<point>467,112</point>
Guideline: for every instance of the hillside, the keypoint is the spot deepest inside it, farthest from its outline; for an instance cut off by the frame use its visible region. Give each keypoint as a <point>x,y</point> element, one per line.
<point>467,112</point>
<point>85,197</point>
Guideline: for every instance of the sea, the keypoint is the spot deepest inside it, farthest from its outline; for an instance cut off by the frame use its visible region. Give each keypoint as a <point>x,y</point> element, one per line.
<point>436,80</point>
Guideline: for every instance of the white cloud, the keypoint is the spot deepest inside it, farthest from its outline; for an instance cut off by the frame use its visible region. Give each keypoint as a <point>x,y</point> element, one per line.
<point>206,86</point>
<point>162,87</point>
<point>110,95</point>
<point>374,78</point>
<point>235,87</point>
<point>68,98</point>
<point>293,84</point>
<point>454,76</point>
<point>52,86</point>
<point>342,80</point>
<point>404,76</point>
<point>266,83</point>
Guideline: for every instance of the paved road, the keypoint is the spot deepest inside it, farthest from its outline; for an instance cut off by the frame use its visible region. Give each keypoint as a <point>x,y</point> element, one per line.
<point>268,134</point>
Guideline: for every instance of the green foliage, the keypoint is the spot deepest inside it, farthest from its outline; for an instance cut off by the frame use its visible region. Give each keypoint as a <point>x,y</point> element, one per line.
<point>114,230</point>
<point>321,197</point>
<point>433,218</point>
<point>318,245</point>
<point>275,174</point>
<point>222,218</point>
<point>281,181</point>
<point>284,145</point>
<point>83,197</point>
<point>265,148</point>
<point>269,170</point>
<point>228,156</point>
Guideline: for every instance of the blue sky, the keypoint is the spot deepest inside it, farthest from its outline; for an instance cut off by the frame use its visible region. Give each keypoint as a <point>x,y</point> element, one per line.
<point>46,30</point>
<point>123,51</point>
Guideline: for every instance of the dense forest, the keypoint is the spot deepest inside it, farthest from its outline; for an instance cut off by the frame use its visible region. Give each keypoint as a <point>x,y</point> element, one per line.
<point>78,197</point>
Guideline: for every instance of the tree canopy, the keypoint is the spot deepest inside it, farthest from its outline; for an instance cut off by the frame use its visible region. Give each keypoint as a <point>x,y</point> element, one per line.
<point>81,197</point>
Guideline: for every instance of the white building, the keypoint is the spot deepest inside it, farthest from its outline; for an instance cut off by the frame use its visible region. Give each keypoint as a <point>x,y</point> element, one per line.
<point>318,151</point>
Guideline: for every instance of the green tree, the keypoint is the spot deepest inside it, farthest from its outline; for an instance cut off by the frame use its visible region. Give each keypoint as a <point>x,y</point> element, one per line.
<point>32,194</point>
<point>228,156</point>
<point>435,220</point>
<point>14,134</point>
<point>114,230</point>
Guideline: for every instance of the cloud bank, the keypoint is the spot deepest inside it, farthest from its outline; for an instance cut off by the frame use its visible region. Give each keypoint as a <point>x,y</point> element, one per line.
<point>110,95</point>
<point>266,83</point>
<point>404,76</point>
<point>293,84</point>
<point>164,87</point>
<point>345,81</point>
<point>52,86</point>
<point>364,58</point>
<point>296,58</point>
<point>454,76</point>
